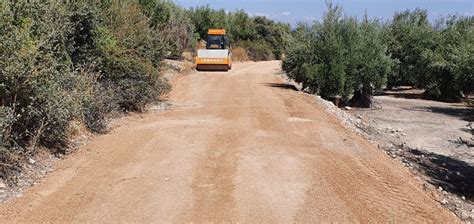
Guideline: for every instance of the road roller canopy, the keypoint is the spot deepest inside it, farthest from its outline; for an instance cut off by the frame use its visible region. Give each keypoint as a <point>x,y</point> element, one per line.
<point>216,32</point>
<point>217,39</point>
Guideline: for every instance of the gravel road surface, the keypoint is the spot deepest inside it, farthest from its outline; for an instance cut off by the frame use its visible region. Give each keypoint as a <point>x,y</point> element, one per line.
<point>241,147</point>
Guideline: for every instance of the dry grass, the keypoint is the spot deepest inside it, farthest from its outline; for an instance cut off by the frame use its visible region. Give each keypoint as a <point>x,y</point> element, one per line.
<point>187,67</point>
<point>201,44</point>
<point>187,56</point>
<point>239,54</point>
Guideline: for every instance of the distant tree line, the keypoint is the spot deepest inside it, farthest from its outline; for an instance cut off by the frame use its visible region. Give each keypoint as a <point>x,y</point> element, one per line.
<point>264,39</point>
<point>350,58</point>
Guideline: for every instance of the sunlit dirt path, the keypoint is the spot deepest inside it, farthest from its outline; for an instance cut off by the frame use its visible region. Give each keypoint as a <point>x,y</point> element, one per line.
<point>236,147</point>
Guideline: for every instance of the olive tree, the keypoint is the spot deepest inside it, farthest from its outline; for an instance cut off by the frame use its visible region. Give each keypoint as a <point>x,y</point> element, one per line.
<point>340,57</point>
<point>371,63</point>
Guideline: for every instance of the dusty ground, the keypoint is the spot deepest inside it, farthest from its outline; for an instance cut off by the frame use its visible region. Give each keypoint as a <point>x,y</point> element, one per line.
<point>236,147</point>
<point>428,137</point>
<point>424,124</point>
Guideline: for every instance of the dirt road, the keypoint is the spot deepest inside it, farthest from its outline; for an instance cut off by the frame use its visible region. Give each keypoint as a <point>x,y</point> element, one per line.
<point>237,147</point>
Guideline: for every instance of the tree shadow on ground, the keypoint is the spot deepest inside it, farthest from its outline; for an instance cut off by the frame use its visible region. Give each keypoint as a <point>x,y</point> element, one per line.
<point>413,93</point>
<point>402,92</point>
<point>464,113</point>
<point>402,95</point>
<point>452,175</point>
<point>282,86</point>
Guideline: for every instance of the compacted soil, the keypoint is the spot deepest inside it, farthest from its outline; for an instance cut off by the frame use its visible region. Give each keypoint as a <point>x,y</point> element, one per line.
<point>241,146</point>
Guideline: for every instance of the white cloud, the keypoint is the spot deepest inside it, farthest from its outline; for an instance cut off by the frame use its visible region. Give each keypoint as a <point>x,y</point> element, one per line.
<point>261,14</point>
<point>286,13</point>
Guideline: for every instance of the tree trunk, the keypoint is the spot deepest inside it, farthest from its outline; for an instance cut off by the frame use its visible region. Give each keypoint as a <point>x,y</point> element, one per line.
<point>362,97</point>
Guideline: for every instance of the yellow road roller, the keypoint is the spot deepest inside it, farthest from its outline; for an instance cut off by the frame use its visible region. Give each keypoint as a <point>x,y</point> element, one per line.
<point>217,55</point>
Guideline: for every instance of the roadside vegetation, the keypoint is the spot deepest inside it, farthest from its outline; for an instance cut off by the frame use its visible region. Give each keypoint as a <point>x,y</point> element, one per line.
<point>70,65</point>
<point>347,58</point>
<point>66,66</point>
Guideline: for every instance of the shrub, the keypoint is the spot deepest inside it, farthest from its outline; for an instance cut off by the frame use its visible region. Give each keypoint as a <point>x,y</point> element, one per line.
<point>7,118</point>
<point>173,25</point>
<point>62,62</point>
<point>257,50</point>
<point>136,82</point>
<point>239,54</point>
<point>99,102</point>
<point>9,164</point>
<point>275,33</point>
<point>37,78</point>
<point>130,59</point>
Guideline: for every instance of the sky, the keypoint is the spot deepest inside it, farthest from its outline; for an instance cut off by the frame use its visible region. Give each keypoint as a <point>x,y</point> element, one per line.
<point>293,11</point>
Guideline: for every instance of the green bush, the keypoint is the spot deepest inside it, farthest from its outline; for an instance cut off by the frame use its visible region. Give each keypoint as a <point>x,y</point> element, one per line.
<point>136,82</point>
<point>9,164</point>
<point>274,33</point>
<point>62,62</point>
<point>7,118</point>
<point>37,77</point>
<point>98,102</point>
<point>257,50</point>
<point>172,24</point>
